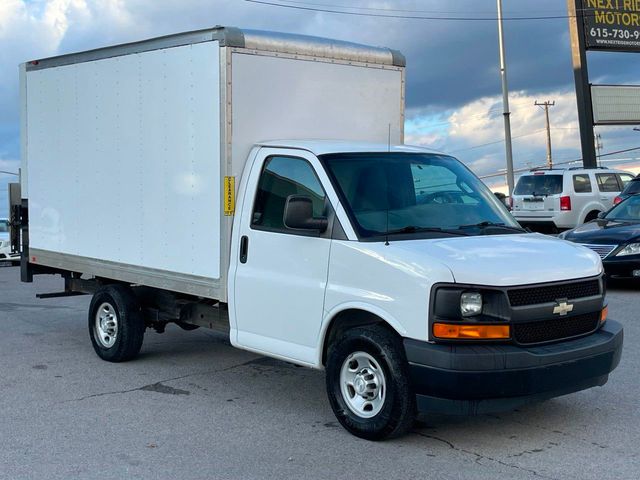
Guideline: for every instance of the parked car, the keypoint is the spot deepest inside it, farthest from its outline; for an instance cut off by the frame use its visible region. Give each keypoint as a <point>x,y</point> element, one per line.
<point>5,243</point>
<point>632,188</point>
<point>559,199</point>
<point>615,236</point>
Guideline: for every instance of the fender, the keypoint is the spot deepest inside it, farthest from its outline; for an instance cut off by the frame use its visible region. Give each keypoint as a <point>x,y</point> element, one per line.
<point>363,306</point>
<point>590,207</point>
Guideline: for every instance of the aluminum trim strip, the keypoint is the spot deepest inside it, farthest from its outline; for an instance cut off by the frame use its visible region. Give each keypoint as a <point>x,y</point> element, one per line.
<point>234,37</point>
<point>151,277</point>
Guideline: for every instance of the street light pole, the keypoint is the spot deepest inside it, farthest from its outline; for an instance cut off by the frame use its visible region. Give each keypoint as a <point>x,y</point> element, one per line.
<point>505,102</point>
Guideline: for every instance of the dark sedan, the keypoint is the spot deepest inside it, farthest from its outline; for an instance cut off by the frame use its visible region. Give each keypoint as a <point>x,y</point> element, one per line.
<point>615,236</point>
<point>632,188</point>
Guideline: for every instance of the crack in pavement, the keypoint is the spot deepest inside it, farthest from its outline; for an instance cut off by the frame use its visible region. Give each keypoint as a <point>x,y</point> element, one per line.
<point>159,387</point>
<point>479,457</point>
<point>557,432</point>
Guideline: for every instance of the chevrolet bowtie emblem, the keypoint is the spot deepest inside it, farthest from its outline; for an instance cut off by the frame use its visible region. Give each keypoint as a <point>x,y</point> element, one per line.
<point>563,308</point>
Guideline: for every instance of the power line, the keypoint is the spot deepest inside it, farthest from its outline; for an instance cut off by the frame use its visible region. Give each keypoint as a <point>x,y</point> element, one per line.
<point>378,9</point>
<point>500,174</point>
<point>407,17</point>
<point>495,142</point>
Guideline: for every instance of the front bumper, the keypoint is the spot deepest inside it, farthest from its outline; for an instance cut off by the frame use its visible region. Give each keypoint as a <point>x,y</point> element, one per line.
<point>475,379</point>
<point>621,266</point>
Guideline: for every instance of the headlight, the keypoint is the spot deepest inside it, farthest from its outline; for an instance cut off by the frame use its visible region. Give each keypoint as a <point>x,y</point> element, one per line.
<point>470,304</point>
<point>631,249</point>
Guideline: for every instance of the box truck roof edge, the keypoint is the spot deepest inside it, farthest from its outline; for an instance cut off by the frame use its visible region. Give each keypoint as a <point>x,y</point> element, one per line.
<point>278,42</point>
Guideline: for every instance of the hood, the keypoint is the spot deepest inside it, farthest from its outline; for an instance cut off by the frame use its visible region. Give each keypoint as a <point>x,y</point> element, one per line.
<point>505,260</point>
<point>604,232</point>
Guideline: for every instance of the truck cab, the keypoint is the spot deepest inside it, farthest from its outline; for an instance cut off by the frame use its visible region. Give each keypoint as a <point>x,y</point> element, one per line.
<point>390,266</point>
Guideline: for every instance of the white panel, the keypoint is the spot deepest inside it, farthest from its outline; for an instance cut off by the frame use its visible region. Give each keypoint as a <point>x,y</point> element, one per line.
<point>124,159</point>
<point>277,98</point>
<point>616,104</point>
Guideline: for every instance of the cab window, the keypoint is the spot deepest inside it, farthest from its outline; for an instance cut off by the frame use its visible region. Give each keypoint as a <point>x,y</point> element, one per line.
<point>281,177</point>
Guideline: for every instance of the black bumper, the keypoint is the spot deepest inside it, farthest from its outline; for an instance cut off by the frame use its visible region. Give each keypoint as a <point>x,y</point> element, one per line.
<point>621,267</point>
<point>474,379</point>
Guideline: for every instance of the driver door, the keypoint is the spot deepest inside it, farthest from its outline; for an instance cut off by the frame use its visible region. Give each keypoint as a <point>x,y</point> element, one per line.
<point>281,273</point>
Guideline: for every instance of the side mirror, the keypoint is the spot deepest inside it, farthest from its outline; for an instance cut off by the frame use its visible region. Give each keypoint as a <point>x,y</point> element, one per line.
<point>602,214</point>
<point>298,214</point>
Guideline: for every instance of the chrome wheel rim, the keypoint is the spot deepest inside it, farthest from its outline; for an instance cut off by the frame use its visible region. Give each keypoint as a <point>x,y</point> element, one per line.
<point>363,384</point>
<point>106,325</point>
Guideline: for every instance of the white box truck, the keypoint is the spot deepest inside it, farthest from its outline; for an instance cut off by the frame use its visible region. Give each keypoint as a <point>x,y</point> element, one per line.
<point>197,179</point>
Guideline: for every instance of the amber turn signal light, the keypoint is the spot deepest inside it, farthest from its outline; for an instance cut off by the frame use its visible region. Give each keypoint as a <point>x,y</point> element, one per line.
<point>603,314</point>
<point>456,331</point>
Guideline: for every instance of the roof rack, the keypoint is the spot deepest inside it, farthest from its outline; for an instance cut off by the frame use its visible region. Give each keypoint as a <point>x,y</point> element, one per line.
<point>538,169</point>
<point>588,168</point>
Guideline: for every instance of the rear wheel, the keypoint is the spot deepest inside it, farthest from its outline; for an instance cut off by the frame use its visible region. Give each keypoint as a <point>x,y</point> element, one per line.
<point>116,325</point>
<point>368,383</point>
<point>591,216</point>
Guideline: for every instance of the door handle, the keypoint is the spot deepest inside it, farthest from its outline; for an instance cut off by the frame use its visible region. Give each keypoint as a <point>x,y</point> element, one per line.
<point>244,249</point>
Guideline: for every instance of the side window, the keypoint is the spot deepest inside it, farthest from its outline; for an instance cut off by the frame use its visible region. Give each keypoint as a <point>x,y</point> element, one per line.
<point>281,177</point>
<point>607,182</point>
<point>581,183</point>
<point>624,179</point>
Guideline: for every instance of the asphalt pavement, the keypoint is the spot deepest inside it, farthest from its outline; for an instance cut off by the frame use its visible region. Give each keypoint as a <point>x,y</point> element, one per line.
<point>193,407</point>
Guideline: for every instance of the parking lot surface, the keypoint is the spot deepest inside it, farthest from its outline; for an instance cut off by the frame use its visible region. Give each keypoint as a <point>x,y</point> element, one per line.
<point>191,406</point>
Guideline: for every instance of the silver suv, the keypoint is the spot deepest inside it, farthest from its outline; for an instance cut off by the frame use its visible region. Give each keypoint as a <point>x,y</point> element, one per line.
<point>557,199</point>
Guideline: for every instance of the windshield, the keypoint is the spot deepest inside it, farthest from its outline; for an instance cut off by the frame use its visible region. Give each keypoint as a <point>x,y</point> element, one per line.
<point>627,211</point>
<point>539,185</point>
<point>632,188</point>
<point>406,193</point>
<point>4,226</point>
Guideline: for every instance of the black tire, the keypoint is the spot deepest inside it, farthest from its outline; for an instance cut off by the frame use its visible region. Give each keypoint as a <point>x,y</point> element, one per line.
<point>126,341</point>
<point>591,216</point>
<point>398,410</point>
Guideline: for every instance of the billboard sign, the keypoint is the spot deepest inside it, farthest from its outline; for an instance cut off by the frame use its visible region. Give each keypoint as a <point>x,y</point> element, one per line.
<point>616,104</point>
<point>612,25</point>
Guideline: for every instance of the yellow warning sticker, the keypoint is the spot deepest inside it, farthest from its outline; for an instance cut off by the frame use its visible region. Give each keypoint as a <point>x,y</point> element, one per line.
<point>229,195</point>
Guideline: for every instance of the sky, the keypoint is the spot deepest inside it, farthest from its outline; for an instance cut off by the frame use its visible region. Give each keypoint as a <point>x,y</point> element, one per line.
<point>454,100</point>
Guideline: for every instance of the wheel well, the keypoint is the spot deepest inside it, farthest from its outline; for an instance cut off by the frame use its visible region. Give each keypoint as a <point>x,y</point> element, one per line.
<point>593,214</point>
<point>346,320</point>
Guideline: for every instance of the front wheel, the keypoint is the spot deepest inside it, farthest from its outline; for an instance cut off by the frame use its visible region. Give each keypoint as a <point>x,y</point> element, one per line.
<point>368,383</point>
<point>116,325</point>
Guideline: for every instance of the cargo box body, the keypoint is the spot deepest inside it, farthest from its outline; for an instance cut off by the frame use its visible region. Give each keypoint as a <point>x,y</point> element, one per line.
<point>126,149</point>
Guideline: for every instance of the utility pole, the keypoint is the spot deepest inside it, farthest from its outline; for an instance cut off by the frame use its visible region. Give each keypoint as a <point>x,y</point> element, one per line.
<point>546,106</point>
<point>598,147</point>
<point>505,101</point>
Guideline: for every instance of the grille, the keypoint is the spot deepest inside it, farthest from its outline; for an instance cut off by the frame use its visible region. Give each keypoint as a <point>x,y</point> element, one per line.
<point>555,329</point>
<point>550,293</point>
<point>602,250</point>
